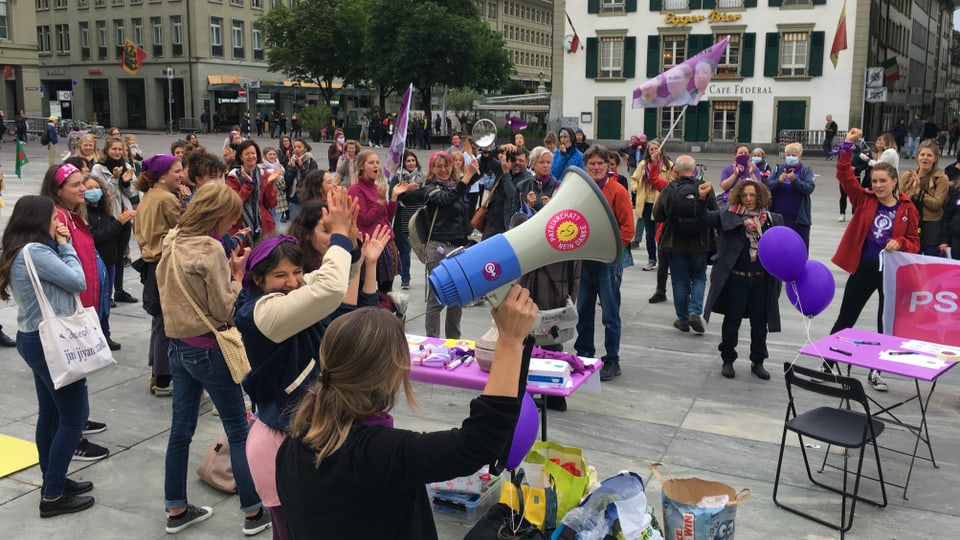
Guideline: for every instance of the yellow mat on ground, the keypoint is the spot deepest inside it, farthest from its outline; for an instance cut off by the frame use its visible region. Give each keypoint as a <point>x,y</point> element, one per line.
<point>16,455</point>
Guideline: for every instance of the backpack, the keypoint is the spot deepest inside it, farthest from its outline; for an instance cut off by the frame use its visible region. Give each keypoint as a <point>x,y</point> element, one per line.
<point>684,205</point>
<point>44,139</point>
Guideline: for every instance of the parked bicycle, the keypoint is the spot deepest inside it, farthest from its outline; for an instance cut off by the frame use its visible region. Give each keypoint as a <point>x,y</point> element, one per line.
<point>67,125</point>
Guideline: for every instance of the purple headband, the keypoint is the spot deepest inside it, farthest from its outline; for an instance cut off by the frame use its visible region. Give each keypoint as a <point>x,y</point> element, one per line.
<point>260,252</point>
<point>159,164</point>
<point>439,153</point>
<point>64,171</point>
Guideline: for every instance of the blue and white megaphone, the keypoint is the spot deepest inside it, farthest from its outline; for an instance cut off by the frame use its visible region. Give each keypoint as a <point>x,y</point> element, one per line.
<point>577,224</point>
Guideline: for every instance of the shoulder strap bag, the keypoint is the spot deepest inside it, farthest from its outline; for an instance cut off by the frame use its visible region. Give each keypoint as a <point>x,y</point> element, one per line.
<point>73,345</point>
<point>229,340</point>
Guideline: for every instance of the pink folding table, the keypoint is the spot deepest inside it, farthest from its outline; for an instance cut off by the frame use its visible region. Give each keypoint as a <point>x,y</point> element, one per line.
<point>863,349</point>
<point>472,377</point>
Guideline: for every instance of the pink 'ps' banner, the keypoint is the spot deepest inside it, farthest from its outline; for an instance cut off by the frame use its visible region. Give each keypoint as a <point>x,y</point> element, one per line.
<point>683,84</point>
<point>921,297</point>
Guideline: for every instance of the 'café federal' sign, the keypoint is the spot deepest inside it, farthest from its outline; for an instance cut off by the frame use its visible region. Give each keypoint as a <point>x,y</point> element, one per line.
<point>714,17</point>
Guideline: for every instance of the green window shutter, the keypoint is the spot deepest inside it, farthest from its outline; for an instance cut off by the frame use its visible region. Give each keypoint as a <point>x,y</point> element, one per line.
<point>771,55</point>
<point>748,53</point>
<point>819,2</point>
<point>709,4</point>
<point>653,56</point>
<point>750,3</point>
<point>650,122</point>
<point>745,127</point>
<point>630,6</point>
<point>696,124</point>
<point>593,6</point>
<point>698,43</point>
<point>816,53</point>
<point>629,57</point>
<point>656,5</point>
<point>775,3</point>
<point>593,54</point>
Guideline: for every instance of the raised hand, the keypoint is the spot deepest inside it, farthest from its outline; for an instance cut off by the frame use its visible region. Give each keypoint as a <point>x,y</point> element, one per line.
<point>237,259</point>
<point>704,189</point>
<point>339,215</point>
<point>853,135</point>
<point>63,234</point>
<point>374,244</point>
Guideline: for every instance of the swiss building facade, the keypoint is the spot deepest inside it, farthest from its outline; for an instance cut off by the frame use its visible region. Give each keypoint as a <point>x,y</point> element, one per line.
<point>776,73</point>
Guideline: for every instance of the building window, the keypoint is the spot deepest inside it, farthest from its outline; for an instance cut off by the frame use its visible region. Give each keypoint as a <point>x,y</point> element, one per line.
<point>729,65</point>
<point>671,5</point>
<point>669,116</point>
<point>237,33</point>
<point>611,58</point>
<point>674,50</point>
<point>84,40</point>
<point>236,3</point>
<point>492,10</point>
<point>4,33</point>
<point>610,6</point>
<point>63,38</point>
<point>256,4</point>
<point>728,4</point>
<point>83,4</point>
<point>42,4</point>
<point>137,31</point>
<point>60,4</point>
<point>43,39</point>
<point>176,29</point>
<point>794,52</point>
<point>102,40</point>
<point>216,36</point>
<point>118,35</point>
<point>116,3</point>
<point>724,120</point>
<point>136,2</point>
<point>257,45</point>
<point>798,3</point>
<point>99,3</point>
<point>156,24</point>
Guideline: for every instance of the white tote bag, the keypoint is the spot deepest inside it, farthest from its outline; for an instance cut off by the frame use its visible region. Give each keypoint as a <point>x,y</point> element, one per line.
<point>73,345</point>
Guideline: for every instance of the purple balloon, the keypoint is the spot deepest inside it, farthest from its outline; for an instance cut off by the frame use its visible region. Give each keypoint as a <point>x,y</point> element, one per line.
<point>782,253</point>
<point>525,434</point>
<point>813,291</point>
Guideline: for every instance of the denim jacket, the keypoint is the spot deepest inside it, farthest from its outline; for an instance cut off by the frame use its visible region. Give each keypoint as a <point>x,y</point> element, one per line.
<point>61,277</point>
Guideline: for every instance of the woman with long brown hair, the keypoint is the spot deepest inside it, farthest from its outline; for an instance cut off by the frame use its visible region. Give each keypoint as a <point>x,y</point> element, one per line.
<point>928,187</point>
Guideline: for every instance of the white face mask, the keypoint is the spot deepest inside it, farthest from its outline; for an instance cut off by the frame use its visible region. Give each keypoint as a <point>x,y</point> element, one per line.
<point>341,140</point>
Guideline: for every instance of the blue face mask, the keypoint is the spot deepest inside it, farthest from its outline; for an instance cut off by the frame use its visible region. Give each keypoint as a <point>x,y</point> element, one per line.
<point>792,160</point>
<point>93,195</point>
<point>757,159</point>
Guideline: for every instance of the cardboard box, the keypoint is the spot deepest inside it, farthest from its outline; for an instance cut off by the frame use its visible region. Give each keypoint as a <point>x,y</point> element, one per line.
<point>549,373</point>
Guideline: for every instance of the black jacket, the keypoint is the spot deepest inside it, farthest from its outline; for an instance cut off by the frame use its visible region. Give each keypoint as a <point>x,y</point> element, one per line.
<point>452,225</point>
<point>950,228</point>
<point>705,242</point>
<point>105,230</point>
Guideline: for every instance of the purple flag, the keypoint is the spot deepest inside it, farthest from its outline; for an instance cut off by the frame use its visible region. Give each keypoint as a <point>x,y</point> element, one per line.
<point>395,153</point>
<point>516,123</point>
<point>683,84</point>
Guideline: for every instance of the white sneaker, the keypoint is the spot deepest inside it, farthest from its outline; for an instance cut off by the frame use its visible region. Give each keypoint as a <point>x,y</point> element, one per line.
<point>877,382</point>
<point>842,218</point>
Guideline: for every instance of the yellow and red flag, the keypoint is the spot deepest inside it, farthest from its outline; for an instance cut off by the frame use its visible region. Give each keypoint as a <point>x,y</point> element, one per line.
<point>840,38</point>
<point>132,57</point>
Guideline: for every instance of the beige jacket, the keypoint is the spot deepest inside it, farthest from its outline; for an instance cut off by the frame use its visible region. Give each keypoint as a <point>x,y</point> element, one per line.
<point>159,211</point>
<point>203,267</point>
<point>936,190</point>
<point>644,192</point>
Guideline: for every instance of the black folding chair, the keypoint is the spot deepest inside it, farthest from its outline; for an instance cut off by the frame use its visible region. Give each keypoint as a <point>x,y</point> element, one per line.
<point>840,426</point>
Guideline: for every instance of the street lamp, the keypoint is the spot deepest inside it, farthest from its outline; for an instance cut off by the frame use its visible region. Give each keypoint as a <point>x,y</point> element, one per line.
<point>541,88</point>
<point>169,71</point>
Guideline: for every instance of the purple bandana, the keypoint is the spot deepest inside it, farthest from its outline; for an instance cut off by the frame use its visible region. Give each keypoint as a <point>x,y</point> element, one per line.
<point>260,252</point>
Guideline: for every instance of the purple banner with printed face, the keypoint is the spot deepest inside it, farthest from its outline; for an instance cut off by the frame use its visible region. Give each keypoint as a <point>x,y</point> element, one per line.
<point>683,84</point>
<point>395,153</point>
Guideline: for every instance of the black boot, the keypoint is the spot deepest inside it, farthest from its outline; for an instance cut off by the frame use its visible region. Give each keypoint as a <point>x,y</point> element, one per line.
<point>68,503</point>
<point>5,340</point>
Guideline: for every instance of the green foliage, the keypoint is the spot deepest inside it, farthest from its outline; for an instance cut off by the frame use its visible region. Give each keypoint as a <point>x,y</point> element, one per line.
<point>314,117</point>
<point>433,43</point>
<point>315,40</point>
<point>461,99</point>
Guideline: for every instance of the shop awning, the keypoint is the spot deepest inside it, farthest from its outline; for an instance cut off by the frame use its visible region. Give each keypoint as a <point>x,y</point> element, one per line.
<point>232,82</point>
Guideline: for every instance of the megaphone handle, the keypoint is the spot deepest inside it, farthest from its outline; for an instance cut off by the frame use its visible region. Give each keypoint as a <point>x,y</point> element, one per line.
<point>497,466</point>
<point>497,296</point>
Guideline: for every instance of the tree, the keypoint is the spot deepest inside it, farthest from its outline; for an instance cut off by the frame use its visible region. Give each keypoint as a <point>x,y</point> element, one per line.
<point>315,41</point>
<point>435,42</point>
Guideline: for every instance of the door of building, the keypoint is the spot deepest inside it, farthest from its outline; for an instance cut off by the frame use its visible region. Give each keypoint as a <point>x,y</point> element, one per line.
<point>610,119</point>
<point>791,115</point>
<point>136,103</point>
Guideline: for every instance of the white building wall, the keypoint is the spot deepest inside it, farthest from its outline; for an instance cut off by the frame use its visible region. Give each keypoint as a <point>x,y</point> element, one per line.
<point>827,94</point>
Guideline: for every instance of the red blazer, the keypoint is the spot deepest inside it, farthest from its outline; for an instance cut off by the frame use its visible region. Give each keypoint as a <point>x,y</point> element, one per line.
<point>268,200</point>
<point>905,226</point>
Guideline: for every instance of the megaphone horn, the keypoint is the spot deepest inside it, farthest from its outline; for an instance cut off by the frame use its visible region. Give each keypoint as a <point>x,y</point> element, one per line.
<point>577,223</point>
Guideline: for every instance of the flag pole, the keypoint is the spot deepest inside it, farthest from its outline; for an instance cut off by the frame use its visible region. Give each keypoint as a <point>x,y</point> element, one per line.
<point>663,143</point>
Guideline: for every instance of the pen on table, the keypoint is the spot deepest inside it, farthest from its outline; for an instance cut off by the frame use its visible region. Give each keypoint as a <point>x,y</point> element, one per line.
<point>900,353</point>
<point>841,351</point>
<point>467,360</point>
<point>858,341</point>
<point>454,365</point>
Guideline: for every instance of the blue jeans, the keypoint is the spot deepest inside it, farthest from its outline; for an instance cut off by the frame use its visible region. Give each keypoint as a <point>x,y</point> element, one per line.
<point>403,248</point>
<point>195,370</point>
<point>911,149</point>
<point>60,419</point>
<point>688,274</point>
<point>650,228</point>
<point>603,281</point>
